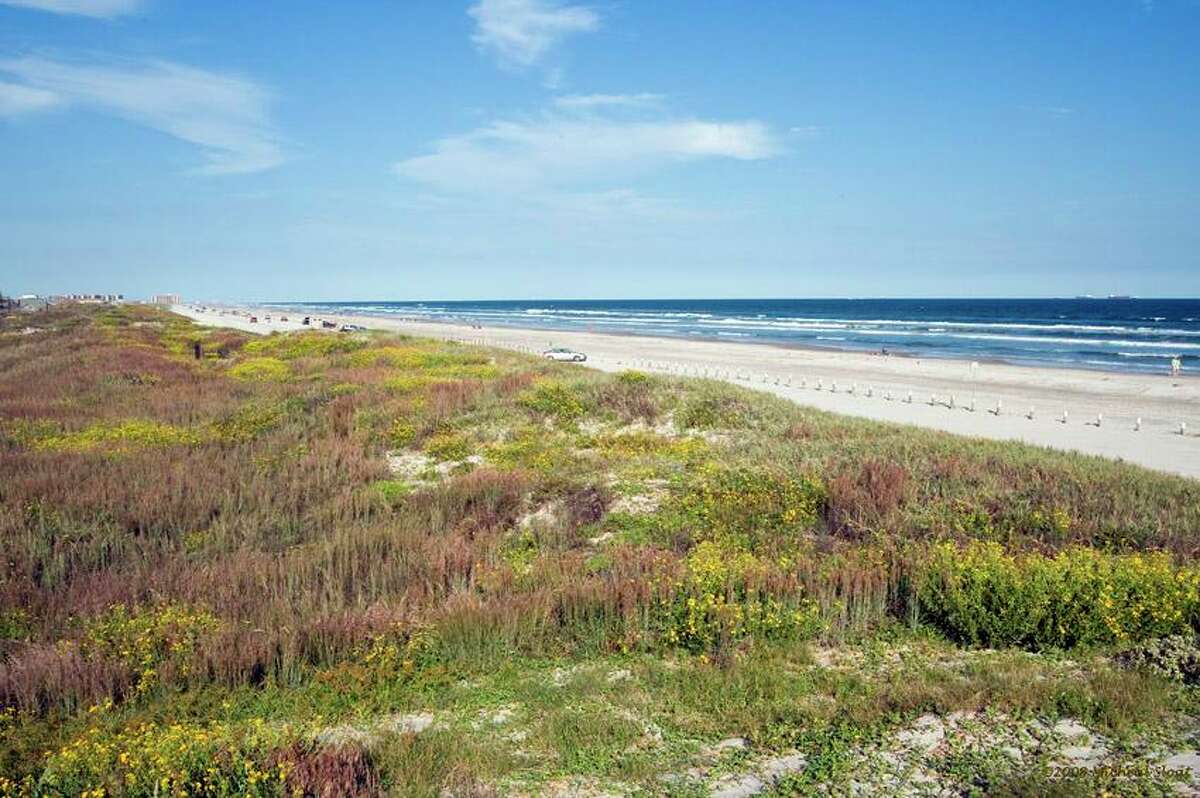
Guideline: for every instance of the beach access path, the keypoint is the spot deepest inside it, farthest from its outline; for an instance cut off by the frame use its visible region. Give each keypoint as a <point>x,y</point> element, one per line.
<point>1103,408</point>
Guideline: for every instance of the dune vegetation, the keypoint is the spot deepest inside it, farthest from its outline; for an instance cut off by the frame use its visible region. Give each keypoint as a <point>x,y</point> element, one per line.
<point>357,564</point>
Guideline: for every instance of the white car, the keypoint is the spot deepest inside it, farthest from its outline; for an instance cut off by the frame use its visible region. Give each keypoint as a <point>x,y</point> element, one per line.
<point>562,353</point>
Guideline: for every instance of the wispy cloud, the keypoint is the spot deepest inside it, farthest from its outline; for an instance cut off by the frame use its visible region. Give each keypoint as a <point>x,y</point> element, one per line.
<point>581,160</point>
<point>583,102</point>
<point>16,99</point>
<point>519,33</point>
<point>226,116</point>
<point>86,8</point>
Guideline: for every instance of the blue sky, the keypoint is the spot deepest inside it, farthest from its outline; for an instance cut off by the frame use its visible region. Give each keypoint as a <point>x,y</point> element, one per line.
<point>430,149</point>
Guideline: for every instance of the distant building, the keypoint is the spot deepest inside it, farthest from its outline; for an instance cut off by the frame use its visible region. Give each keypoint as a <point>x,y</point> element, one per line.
<point>91,299</point>
<point>166,299</point>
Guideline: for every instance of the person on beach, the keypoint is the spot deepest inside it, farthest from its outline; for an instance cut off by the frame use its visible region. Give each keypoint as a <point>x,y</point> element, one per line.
<point>1176,367</point>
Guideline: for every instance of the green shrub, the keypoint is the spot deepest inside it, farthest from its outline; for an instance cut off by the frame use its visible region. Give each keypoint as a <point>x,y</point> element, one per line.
<point>447,360</point>
<point>533,450</point>
<point>135,432</point>
<point>407,383</point>
<point>638,444</point>
<point>983,596</point>
<point>152,759</point>
<point>395,356</point>
<point>261,369</point>
<point>145,639</point>
<point>633,378</point>
<point>712,411</point>
<point>402,432</point>
<point>390,491</point>
<point>447,364</point>
<point>290,346</point>
<point>720,603</point>
<point>448,446</point>
<point>747,505</point>
<point>14,624</point>
<point>251,420</point>
<point>552,398</point>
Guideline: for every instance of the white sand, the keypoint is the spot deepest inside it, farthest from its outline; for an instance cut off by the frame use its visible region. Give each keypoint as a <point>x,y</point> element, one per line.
<point>1162,402</point>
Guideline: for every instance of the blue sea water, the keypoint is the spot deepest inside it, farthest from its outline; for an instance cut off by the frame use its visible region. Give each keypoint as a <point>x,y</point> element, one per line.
<point>1116,334</point>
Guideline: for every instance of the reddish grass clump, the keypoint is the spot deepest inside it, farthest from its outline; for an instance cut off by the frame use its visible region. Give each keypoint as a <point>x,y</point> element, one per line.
<point>40,677</point>
<point>863,499</point>
<point>337,771</point>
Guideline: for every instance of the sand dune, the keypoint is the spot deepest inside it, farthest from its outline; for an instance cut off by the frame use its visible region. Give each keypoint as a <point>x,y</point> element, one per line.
<point>1102,408</point>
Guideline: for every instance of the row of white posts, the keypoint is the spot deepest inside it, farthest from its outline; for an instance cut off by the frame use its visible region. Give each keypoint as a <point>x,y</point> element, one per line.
<point>950,402</point>
<point>683,369</point>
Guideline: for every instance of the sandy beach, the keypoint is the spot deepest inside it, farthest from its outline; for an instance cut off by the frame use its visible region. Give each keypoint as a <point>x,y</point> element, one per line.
<point>1131,417</point>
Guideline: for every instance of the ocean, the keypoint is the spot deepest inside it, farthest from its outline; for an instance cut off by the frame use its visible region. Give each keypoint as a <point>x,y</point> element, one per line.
<point>1117,334</point>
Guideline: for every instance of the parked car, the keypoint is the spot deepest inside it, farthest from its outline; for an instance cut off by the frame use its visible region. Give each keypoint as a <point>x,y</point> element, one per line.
<point>562,353</point>
<point>328,325</point>
<point>353,328</point>
<point>254,319</point>
<point>307,320</point>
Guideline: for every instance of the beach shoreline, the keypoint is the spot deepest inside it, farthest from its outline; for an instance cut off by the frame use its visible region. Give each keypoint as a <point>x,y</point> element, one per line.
<point>992,400</point>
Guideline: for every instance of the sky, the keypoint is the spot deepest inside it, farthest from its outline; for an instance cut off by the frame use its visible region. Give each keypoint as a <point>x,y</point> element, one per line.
<point>506,149</point>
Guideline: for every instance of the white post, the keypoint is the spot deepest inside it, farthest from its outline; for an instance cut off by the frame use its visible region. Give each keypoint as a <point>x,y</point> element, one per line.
<point>1030,413</point>
<point>833,387</point>
<point>1183,428</point>
<point>999,406</point>
<point>1137,425</point>
<point>909,399</point>
<point>1064,418</point>
<point>1099,419</point>
<point>951,401</point>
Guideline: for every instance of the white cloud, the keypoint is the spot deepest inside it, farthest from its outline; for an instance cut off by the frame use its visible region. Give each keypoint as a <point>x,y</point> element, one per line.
<point>577,154</point>
<point>584,102</point>
<point>226,116</point>
<point>519,33</point>
<point>85,8</point>
<point>16,99</point>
